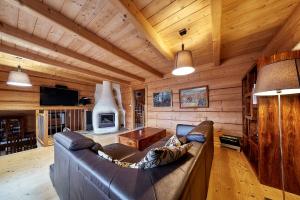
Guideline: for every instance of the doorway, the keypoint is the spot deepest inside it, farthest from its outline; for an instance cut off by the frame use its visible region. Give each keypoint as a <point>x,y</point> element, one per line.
<point>139,108</point>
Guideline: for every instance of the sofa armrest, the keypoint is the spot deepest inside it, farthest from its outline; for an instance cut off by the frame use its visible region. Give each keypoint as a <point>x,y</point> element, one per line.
<point>73,141</point>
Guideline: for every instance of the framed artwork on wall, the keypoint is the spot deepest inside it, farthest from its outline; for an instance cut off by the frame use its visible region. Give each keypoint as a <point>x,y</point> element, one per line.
<point>196,97</point>
<point>162,99</point>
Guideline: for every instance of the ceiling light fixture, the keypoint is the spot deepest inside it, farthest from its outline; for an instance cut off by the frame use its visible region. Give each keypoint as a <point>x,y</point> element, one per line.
<point>18,78</point>
<point>183,60</point>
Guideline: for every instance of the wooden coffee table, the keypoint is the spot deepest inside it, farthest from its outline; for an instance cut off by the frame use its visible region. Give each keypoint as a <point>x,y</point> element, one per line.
<point>143,138</point>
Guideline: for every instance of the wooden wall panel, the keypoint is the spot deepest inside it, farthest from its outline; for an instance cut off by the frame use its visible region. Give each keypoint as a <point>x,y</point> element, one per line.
<point>225,96</point>
<point>20,98</point>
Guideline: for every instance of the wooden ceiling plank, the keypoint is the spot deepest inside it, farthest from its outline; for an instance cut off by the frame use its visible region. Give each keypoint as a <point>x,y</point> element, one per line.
<point>194,7</point>
<point>216,16</point>
<point>42,59</point>
<point>56,17</point>
<point>155,6</point>
<point>287,37</point>
<point>141,3</point>
<point>62,50</point>
<point>143,26</point>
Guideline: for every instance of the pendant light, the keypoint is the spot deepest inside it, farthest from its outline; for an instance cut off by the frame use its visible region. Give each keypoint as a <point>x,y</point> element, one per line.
<point>183,60</point>
<point>18,78</point>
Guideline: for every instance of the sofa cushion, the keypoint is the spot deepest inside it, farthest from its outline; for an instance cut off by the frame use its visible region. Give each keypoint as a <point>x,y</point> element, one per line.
<point>73,141</point>
<point>119,151</point>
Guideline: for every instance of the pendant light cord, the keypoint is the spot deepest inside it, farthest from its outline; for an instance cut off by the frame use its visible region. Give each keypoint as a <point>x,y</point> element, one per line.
<point>182,44</point>
<point>19,66</point>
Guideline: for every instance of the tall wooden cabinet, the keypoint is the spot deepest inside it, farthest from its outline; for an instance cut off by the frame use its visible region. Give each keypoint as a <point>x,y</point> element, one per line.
<point>261,132</point>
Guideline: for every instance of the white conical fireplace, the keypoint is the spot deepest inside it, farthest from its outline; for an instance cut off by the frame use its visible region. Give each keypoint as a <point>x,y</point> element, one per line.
<point>106,111</point>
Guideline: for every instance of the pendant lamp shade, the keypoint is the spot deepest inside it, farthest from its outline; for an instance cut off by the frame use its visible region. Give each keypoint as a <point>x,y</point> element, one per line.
<point>183,63</point>
<point>18,78</point>
<point>278,78</point>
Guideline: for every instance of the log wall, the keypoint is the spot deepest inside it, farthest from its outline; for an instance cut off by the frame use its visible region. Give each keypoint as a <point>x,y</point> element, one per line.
<point>28,98</point>
<point>225,97</point>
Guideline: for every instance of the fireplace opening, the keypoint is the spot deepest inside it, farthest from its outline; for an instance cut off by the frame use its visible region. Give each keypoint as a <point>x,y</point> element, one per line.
<point>106,120</point>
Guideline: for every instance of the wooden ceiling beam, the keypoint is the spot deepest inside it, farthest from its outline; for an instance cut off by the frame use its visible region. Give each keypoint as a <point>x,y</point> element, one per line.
<point>59,19</point>
<point>9,30</point>
<point>42,59</point>
<point>137,18</point>
<point>287,37</point>
<point>216,17</point>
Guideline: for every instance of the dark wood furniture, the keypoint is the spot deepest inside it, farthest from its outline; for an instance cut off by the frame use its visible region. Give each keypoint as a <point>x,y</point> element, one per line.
<point>142,138</point>
<point>13,135</point>
<point>139,108</point>
<point>250,132</point>
<point>269,157</point>
<point>261,131</point>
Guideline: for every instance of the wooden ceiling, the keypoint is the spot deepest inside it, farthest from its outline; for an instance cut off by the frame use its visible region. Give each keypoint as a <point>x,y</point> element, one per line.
<point>132,40</point>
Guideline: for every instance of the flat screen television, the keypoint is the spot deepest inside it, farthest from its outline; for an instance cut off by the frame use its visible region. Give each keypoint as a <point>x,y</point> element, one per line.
<point>50,96</point>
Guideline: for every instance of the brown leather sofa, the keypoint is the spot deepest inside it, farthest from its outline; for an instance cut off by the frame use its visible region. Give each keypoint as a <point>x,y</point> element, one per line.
<point>79,173</point>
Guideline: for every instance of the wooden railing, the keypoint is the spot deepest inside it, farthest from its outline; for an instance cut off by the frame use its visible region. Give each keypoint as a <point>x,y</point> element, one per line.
<point>50,120</point>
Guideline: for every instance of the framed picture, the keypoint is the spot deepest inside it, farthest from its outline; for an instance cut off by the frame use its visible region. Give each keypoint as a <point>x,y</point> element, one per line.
<point>162,99</point>
<point>196,97</point>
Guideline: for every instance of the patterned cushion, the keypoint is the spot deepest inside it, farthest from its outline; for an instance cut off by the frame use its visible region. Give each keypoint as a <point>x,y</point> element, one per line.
<point>154,158</point>
<point>163,155</point>
<point>173,141</point>
<point>117,162</point>
<point>125,164</point>
<point>105,156</point>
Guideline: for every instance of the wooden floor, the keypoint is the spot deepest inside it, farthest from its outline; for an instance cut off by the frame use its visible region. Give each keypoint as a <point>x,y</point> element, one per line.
<point>232,178</point>
<point>25,175</point>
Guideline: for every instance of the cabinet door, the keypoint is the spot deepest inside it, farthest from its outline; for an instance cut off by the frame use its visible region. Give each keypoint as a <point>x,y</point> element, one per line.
<point>269,163</point>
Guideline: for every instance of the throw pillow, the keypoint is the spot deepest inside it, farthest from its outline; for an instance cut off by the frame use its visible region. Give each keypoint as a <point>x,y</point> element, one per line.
<point>173,141</point>
<point>154,158</point>
<point>196,137</point>
<point>163,155</point>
